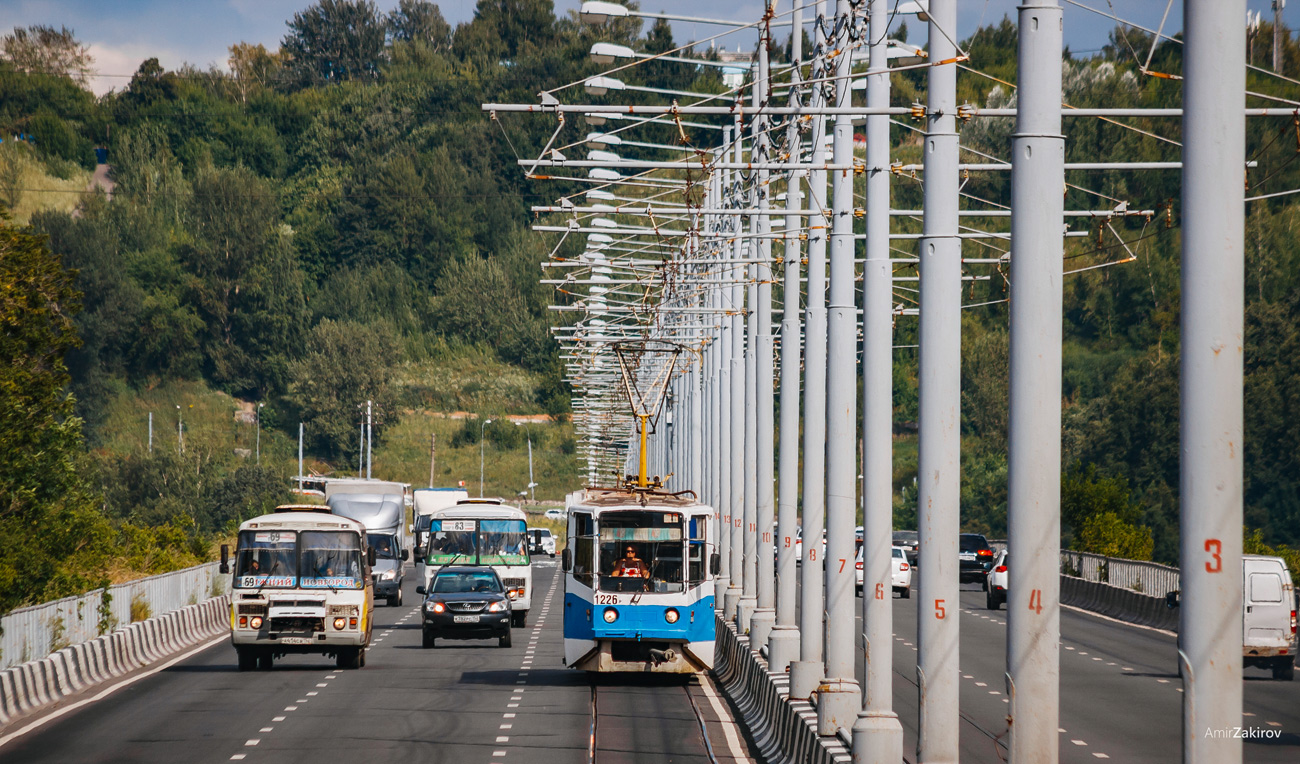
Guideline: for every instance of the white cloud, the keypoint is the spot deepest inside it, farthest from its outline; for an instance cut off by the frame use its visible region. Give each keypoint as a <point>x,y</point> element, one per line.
<point>115,64</point>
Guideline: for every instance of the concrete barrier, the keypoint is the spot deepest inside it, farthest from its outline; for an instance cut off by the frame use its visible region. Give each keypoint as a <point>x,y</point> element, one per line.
<point>1118,603</point>
<point>783,730</point>
<point>34,685</point>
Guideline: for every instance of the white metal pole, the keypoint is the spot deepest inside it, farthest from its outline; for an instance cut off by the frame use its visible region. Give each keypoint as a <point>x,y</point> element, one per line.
<point>1034,442</point>
<point>1213,284</point>
<point>838,698</point>
<point>877,733</point>
<point>370,438</point>
<point>807,672</point>
<point>737,462</point>
<point>939,402</point>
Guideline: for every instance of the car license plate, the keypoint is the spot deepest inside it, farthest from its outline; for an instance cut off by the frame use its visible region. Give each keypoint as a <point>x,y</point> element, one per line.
<point>465,619</point>
<point>295,640</point>
<point>967,555</point>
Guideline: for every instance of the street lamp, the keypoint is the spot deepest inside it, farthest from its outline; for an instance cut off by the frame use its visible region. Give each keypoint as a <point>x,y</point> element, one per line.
<point>606,53</point>
<point>259,432</point>
<point>180,431</point>
<point>593,12</point>
<point>481,433</point>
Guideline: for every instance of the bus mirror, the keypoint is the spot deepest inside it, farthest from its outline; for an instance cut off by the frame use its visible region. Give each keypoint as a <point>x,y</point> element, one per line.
<point>566,559</point>
<point>405,555</point>
<point>1171,600</point>
<point>419,553</point>
<point>225,558</point>
<point>715,564</point>
<point>370,556</point>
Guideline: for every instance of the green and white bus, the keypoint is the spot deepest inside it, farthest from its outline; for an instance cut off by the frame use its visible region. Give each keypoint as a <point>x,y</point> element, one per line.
<point>484,532</point>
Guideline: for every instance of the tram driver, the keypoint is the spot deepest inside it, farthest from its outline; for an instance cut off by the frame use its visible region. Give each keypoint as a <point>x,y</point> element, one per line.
<point>631,566</point>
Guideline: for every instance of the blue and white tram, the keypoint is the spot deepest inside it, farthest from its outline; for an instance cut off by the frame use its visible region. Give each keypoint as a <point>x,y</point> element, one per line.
<point>639,583</point>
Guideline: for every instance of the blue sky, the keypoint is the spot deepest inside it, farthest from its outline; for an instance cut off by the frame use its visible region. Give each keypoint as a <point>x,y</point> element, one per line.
<point>122,33</point>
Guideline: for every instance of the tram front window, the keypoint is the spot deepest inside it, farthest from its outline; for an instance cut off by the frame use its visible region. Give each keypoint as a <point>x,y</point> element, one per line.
<point>641,552</point>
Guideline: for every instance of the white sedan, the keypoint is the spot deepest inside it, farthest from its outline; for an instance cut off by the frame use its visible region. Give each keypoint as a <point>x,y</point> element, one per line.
<point>996,584</point>
<point>901,576</point>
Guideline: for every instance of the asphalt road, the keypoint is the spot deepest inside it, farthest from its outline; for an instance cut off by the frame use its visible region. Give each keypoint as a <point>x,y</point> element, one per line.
<point>1121,698</point>
<point>465,702</point>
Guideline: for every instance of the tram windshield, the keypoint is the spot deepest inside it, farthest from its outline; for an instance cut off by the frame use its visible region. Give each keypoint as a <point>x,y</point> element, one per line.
<point>330,560</point>
<point>266,559</point>
<point>641,552</point>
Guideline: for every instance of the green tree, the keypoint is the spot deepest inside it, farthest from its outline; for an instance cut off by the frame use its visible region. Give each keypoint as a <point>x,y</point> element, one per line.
<point>421,22</point>
<point>344,365</point>
<point>48,50</point>
<point>334,41</point>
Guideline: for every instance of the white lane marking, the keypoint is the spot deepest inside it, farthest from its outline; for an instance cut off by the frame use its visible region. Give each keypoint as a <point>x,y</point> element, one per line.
<point>331,676</point>
<point>724,718</point>
<point>323,684</point>
<point>1126,668</point>
<point>1163,681</point>
<point>512,705</point>
<point>253,741</point>
<point>1108,663</point>
<point>266,729</point>
<point>1246,713</point>
<point>507,716</point>
<point>994,692</point>
<point>112,689</point>
<point>505,726</point>
<point>1082,653</point>
<point>300,700</point>
<point>1096,659</point>
<point>277,718</point>
<point>290,708</point>
<point>498,753</point>
<point>1101,755</point>
<point>312,694</point>
<point>967,676</point>
<point>1116,620</point>
<point>1067,647</point>
<point>503,739</point>
<point>1061,730</point>
<point>1078,742</point>
<point>981,684</point>
<point>237,757</point>
<point>1273,724</point>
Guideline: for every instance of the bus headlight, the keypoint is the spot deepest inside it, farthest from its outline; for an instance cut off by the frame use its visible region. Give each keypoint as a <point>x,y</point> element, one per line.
<point>339,623</point>
<point>671,615</point>
<point>255,622</point>
<point>611,615</point>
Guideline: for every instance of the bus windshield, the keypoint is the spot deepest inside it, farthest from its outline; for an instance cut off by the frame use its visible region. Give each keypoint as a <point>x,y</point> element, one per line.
<point>266,559</point>
<point>641,552</point>
<point>331,560</point>
<point>452,540</point>
<point>502,542</point>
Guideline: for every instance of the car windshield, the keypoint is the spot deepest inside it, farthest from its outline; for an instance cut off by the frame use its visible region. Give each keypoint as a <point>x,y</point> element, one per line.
<point>331,560</point>
<point>973,543</point>
<point>385,549</point>
<point>466,583</point>
<point>266,559</point>
<point>641,552</point>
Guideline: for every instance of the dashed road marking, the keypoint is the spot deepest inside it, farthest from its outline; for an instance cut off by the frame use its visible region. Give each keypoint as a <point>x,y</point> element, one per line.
<point>266,729</point>
<point>252,741</point>
<point>1078,742</point>
<point>277,719</point>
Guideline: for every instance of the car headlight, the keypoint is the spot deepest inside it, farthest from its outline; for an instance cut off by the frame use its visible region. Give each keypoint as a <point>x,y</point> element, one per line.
<point>435,607</point>
<point>671,615</point>
<point>339,623</point>
<point>497,607</point>
<point>611,615</point>
<point>388,575</point>
<point>255,622</point>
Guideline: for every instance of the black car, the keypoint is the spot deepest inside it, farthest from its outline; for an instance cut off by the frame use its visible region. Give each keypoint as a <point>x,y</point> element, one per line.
<point>466,602</point>
<point>910,541</point>
<point>974,557</point>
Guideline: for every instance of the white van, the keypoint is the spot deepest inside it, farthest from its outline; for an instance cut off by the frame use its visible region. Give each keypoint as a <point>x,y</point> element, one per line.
<point>1268,615</point>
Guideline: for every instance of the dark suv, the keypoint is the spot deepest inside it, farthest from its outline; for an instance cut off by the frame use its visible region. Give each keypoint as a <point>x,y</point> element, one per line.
<point>975,557</point>
<point>466,602</point>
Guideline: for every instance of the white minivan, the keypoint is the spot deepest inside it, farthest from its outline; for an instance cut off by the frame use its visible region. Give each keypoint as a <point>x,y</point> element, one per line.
<point>1268,615</point>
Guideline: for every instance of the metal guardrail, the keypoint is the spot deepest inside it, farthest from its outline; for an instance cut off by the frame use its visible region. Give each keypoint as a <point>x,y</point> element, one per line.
<point>1149,578</point>
<point>34,632</point>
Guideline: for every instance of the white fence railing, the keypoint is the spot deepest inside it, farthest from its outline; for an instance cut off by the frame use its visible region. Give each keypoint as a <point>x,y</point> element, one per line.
<point>1150,578</point>
<point>33,632</point>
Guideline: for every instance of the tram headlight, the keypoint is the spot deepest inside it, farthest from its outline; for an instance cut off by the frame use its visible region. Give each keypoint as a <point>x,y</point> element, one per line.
<point>339,623</point>
<point>671,615</point>
<point>610,615</point>
<point>255,622</point>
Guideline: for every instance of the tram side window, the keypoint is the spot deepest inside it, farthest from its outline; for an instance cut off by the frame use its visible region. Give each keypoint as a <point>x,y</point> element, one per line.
<point>697,557</point>
<point>584,543</point>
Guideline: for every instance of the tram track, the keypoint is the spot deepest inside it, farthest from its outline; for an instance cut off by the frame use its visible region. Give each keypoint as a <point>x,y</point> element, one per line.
<point>642,697</point>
